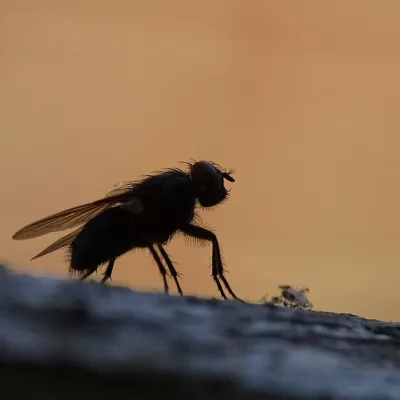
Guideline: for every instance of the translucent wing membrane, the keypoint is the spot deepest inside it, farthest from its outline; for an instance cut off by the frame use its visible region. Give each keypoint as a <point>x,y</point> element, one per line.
<point>74,216</point>
<point>69,238</point>
<point>118,190</point>
<point>58,244</point>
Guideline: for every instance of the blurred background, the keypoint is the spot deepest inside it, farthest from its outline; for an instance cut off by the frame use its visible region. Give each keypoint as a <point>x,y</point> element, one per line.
<point>300,98</point>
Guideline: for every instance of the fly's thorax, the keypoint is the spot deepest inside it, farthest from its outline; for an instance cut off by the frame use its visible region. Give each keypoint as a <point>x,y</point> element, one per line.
<point>166,199</point>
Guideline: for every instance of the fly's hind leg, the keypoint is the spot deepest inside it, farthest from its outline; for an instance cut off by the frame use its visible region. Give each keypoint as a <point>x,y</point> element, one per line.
<point>108,272</point>
<point>86,274</point>
<point>175,275</point>
<point>106,276</point>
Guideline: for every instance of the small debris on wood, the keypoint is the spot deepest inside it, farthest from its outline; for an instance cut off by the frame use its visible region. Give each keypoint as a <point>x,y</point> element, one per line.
<point>290,297</point>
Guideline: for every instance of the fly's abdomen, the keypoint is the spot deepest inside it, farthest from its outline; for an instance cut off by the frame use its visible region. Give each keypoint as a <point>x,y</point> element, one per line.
<point>108,235</point>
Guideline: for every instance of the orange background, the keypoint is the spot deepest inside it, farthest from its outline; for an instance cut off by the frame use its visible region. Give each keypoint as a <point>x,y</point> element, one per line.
<point>300,98</point>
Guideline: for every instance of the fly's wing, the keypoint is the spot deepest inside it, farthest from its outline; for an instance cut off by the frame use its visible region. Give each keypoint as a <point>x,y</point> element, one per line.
<point>115,192</point>
<point>69,238</point>
<point>58,244</point>
<point>79,215</point>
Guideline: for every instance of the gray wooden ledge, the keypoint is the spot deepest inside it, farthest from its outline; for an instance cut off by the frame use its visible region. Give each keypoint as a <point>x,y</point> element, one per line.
<point>65,339</point>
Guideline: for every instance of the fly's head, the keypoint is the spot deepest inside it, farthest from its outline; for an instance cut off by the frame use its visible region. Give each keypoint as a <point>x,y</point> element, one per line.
<point>208,182</point>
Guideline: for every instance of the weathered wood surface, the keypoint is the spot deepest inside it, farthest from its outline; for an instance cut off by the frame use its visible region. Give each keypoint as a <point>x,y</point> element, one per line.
<point>63,339</point>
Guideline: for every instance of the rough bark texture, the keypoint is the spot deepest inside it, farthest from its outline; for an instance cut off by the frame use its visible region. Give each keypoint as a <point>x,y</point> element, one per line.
<point>63,339</point>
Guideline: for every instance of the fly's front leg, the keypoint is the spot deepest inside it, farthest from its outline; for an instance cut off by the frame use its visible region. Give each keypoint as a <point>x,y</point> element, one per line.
<point>217,267</point>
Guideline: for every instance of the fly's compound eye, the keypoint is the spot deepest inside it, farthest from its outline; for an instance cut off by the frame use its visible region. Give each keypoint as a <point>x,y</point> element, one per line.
<point>209,183</point>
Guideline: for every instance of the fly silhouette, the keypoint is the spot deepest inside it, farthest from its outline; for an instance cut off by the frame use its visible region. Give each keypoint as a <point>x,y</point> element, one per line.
<point>143,214</point>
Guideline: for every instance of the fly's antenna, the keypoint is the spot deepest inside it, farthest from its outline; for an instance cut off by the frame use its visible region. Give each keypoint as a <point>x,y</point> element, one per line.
<point>228,175</point>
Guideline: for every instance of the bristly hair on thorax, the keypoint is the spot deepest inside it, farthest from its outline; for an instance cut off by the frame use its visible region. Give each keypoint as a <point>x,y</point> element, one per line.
<point>129,186</point>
